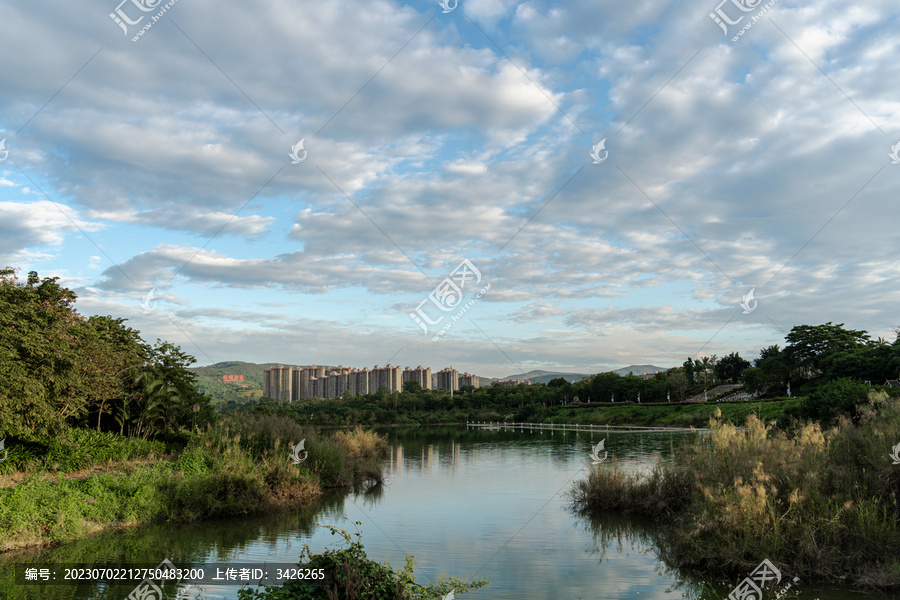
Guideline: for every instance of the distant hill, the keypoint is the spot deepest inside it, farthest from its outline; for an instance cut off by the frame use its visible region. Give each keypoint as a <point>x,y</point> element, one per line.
<point>539,376</point>
<point>252,372</point>
<point>639,369</point>
<point>209,380</point>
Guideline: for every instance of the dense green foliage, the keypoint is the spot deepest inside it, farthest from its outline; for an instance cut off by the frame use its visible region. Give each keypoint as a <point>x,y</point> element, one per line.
<point>60,370</point>
<point>818,354</point>
<point>826,504</point>
<point>350,575</point>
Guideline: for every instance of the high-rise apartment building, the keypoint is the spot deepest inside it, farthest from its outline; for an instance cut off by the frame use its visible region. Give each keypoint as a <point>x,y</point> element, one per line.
<point>277,383</point>
<point>447,379</point>
<point>298,383</point>
<point>469,379</point>
<point>419,375</point>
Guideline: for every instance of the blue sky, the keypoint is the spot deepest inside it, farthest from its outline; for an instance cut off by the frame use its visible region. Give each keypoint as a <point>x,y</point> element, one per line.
<point>163,164</point>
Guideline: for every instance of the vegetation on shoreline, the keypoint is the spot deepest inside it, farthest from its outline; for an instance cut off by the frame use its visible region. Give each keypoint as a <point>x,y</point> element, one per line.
<point>348,574</point>
<point>826,504</point>
<point>88,393</point>
<point>239,466</point>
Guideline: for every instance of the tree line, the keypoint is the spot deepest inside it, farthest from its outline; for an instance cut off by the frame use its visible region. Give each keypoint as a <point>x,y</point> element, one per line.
<point>60,370</point>
<point>832,367</point>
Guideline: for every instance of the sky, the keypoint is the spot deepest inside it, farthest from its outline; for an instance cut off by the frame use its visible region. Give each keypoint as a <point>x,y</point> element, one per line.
<point>495,185</point>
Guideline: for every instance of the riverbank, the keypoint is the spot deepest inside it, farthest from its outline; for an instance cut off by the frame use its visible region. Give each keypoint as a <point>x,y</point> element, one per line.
<point>825,505</point>
<point>240,466</point>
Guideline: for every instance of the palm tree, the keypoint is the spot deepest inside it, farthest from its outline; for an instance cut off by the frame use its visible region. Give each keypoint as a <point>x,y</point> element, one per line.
<point>159,404</point>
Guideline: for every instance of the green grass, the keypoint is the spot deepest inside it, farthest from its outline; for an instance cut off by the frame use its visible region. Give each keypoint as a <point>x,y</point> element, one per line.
<point>240,466</point>
<point>78,449</point>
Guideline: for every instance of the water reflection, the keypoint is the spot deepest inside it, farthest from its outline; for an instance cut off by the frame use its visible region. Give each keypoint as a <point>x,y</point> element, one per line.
<point>466,502</point>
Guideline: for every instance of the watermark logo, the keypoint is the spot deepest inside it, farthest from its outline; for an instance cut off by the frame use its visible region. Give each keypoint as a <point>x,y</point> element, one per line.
<point>448,295</point>
<point>6,452</point>
<point>723,20</point>
<point>122,20</point>
<point>295,455</point>
<point>764,576</point>
<point>895,455</point>
<point>188,591</point>
<point>449,6</point>
<point>148,304</point>
<point>295,153</point>
<point>4,153</point>
<point>596,149</point>
<point>895,153</point>
<point>748,299</point>
<point>595,454</point>
<point>148,589</point>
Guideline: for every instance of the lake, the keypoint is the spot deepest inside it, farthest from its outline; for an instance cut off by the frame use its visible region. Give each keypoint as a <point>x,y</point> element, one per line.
<point>463,501</point>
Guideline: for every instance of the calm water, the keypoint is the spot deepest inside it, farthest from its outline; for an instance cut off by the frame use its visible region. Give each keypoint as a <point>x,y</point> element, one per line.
<point>488,504</point>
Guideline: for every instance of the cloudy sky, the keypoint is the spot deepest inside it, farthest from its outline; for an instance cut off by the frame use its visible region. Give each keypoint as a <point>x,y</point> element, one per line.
<point>618,175</point>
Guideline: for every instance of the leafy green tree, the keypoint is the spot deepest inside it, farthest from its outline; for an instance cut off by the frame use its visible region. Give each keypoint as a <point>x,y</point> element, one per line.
<point>39,391</point>
<point>871,362</point>
<point>412,387</point>
<point>689,370</point>
<point>59,369</point>
<point>707,366</point>
<point>729,368</point>
<point>108,350</point>
<point>808,344</point>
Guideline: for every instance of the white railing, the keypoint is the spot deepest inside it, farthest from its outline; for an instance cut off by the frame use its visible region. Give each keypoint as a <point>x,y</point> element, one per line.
<point>491,425</point>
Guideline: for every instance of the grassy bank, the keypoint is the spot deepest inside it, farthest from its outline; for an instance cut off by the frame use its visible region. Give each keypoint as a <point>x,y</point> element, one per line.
<point>823,504</point>
<point>240,466</point>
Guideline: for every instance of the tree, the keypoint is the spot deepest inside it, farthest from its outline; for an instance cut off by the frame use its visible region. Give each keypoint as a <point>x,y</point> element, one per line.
<point>707,366</point>
<point>729,368</point>
<point>767,353</point>
<point>808,344</point>
<point>678,381</point>
<point>59,369</point>
<point>772,370</point>
<point>689,370</point>
<point>412,387</point>
<point>38,345</point>
<point>865,363</point>
<point>108,349</point>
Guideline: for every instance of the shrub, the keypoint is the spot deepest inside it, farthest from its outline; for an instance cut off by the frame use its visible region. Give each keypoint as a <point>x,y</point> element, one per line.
<point>361,444</point>
<point>350,575</point>
<point>825,503</point>
<point>840,396</point>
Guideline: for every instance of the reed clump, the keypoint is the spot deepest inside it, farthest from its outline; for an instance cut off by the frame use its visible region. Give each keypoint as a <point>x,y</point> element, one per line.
<point>359,443</point>
<point>823,503</point>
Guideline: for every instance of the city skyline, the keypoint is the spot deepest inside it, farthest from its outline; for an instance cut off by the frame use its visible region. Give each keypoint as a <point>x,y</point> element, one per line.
<point>295,383</point>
